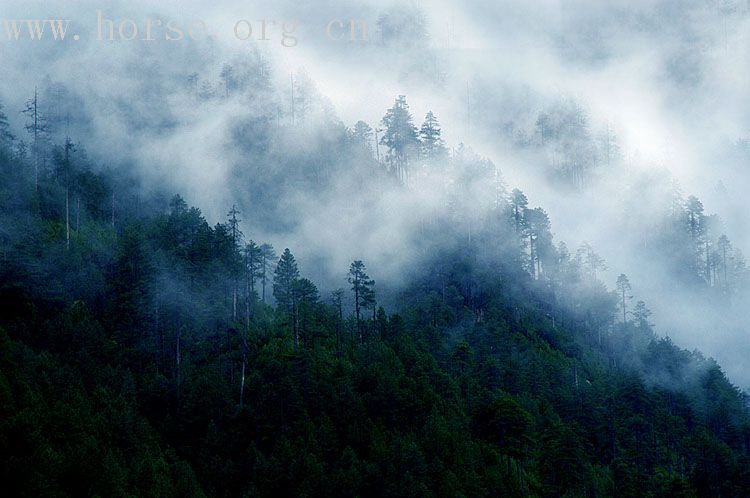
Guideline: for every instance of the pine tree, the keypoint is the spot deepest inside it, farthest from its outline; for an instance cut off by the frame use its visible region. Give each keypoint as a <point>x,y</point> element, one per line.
<point>364,295</point>
<point>500,201</point>
<point>267,255</point>
<point>432,144</point>
<point>227,78</point>
<point>400,136</point>
<point>608,146</point>
<point>6,137</point>
<point>623,290</point>
<point>711,225</point>
<point>66,166</point>
<point>337,297</point>
<point>589,260</point>
<point>235,234</point>
<point>694,211</point>
<point>306,295</point>
<point>537,229</point>
<point>641,315</point>
<point>362,136</point>
<point>131,282</point>
<point>285,280</point>
<point>252,261</point>
<point>37,127</point>
<point>725,247</point>
<point>518,204</point>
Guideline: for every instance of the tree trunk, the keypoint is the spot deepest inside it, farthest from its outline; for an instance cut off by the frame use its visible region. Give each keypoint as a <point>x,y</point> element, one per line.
<point>295,328</point>
<point>338,328</point>
<point>234,302</point>
<point>177,363</point>
<point>247,307</point>
<point>67,218</point>
<point>242,381</point>
<point>531,254</point>
<point>356,311</point>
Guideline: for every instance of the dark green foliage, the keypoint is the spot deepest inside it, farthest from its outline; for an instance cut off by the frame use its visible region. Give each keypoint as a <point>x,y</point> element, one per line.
<point>503,372</point>
<point>285,280</point>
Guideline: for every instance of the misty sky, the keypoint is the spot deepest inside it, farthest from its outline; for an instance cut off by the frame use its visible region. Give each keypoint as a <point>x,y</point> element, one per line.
<point>669,77</point>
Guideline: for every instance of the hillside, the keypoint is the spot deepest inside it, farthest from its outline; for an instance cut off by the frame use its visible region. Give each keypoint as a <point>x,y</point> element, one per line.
<point>147,353</point>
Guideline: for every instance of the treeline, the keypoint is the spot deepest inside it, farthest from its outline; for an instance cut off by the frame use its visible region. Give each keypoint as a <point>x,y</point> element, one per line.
<point>142,354</point>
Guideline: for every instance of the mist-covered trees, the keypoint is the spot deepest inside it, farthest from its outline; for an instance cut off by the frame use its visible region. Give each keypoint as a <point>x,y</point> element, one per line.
<point>307,296</point>
<point>6,137</point>
<point>695,218</point>
<point>564,128</point>
<point>403,26</point>
<point>252,261</point>
<point>589,260</point>
<point>518,203</point>
<point>432,143</point>
<point>724,248</point>
<point>36,126</point>
<point>623,288</point>
<point>187,235</point>
<point>227,79</point>
<point>441,396</point>
<point>694,247</point>
<point>235,235</point>
<point>405,147</point>
<point>498,368</point>
<point>362,287</point>
<point>400,137</point>
<point>641,316</point>
<point>285,282</point>
<point>65,174</point>
<point>132,282</point>
<point>537,227</point>
<point>285,277</point>
<point>267,256</point>
<point>572,150</point>
<point>362,135</point>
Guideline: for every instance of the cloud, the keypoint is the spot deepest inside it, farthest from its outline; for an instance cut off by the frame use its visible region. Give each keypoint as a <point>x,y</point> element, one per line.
<point>669,78</point>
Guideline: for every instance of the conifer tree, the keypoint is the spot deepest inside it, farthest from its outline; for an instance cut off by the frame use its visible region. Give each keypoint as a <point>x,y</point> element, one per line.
<point>362,136</point>
<point>537,229</point>
<point>364,295</point>
<point>235,234</point>
<point>68,148</point>
<point>725,248</point>
<point>589,260</point>
<point>518,204</point>
<point>623,292</point>
<point>337,297</point>
<point>400,137</point>
<point>432,144</point>
<point>694,211</point>
<point>306,295</point>
<point>6,137</point>
<point>252,261</point>
<point>37,128</point>
<point>285,280</point>
<point>641,315</point>
<point>267,257</point>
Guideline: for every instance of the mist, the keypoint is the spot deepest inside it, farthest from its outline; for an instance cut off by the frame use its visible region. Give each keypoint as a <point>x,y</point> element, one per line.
<point>666,78</point>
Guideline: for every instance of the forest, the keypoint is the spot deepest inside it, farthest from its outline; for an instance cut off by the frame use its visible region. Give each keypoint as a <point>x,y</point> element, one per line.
<point>147,351</point>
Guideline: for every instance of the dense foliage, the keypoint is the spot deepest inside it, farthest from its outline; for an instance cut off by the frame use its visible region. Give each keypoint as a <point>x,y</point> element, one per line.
<point>140,355</point>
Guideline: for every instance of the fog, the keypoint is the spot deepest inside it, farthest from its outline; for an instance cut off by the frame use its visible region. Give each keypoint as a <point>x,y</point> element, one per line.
<point>668,78</point>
